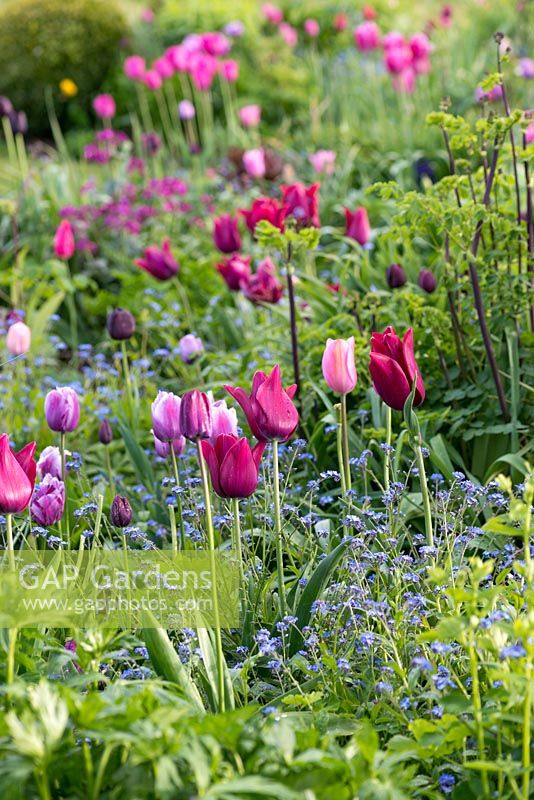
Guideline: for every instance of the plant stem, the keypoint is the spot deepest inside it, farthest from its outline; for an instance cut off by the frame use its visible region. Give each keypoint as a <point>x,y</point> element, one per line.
<point>214,598</point>
<point>64,479</point>
<point>292,318</point>
<point>426,497</point>
<point>127,380</point>
<point>345,440</point>
<point>387,460</point>
<point>178,496</point>
<point>278,533</point>
<point>12,631</point>
<point>477,709</point>
<point>526,731</point>
<point>239,550</point>
<point>174,538</point>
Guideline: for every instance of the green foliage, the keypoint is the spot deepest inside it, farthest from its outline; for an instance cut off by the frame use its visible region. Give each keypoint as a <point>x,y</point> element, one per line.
<point>43,42</point>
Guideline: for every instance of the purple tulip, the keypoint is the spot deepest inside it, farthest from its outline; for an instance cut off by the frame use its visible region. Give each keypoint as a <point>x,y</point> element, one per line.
<point>395,276</point>
<point>427,281</point>
<point>166,416</point>
<point>48,501</point>
<point>190,346</point>
<point>121,512</point>
<point>195,415</point>
<point>49,463</point>
<point>159,261</point>
<point>163,449</point>
<point>62,409</point>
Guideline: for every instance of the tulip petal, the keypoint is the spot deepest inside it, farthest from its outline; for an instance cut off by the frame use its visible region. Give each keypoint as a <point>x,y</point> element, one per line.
<point>389,380</point>
<point>246,404</point>
<point>239,473</point>
<point>278,417</point>
<point>412,368</point>
<point>27,462</point>
<point>15,486</point>
<point>257,452</point>
<point>213,465</point>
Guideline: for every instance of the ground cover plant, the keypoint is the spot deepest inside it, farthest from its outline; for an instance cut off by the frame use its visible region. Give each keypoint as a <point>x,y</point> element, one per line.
<point>266,294</point>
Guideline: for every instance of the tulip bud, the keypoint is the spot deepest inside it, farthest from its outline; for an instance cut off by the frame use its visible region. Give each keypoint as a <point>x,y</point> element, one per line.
<point>18,339</point>
<point>121,512</point>
<point>105,432</point>
<point>166,416</point>
<point>64,245</point>
<point>339,370</point>
<point>48,501</point>
<point>195,415</point>
<point>104,106</point>
<point>226,236</point>
<point>49,463</point>
<point>427,281</point>
<point>190,346</point>
<point>62,409</point>
<point>121,324</point>
<point>395,276</point>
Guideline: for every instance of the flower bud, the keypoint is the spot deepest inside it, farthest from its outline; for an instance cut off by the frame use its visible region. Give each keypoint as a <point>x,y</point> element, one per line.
<point>121,324</point>
<point>195,415</point>
<point>18,339</point>
<point>121,512</point>
<point>427,281</point>
<point>62,409</point>
<point>395,276</point>
<point>105,432</point>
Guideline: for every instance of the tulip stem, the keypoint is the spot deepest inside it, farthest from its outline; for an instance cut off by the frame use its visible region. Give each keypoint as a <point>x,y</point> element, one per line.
<point>293,318</point>
<point>345,439</point>
<point>214,598</point>
<point>12,631</point>
<point>174,538</point>
<point>178,497</point>
<point>278,533</point>
<point>64,479</point>
<point>127,380</point>
<point>239,549</point>
<point>425,495</point>
<point>387,459</point>
<point>110,471</point>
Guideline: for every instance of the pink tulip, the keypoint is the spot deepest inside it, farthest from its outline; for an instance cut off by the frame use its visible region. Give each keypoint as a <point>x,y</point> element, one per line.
<point>340,22</point>
<point>250,116</point>
<point>134,68</point>
<point>272,13</point>
<point>404,82</point>
<point>190,346</point>
<point>62,409</point>
<point>152,80</point>
<point>203,69</point>
<point>215,44</point>
<point>64,244</point>
<point>104,106</point>
<point>323,161</point>
<point>195,415</point>
<point>254,162</point>
<point>163,449</point>
<point>186,109</point>
<point>420,45</point>
<point>147,15</point>
<point>397,59</point>
<point>302,203</point>
<point>529,134</point>
<point>17,476</point>
<point>223,419</point>
<point>367,36</point>
<point>357,225</point>
<point>264,208</point>
<point>339,370</point>
<point>311,27</point>
<point>226,236</point>
<point>166,417</point>
<point>229,70</point>
<point>289,34</point>
<point>393,39</point>
<point>178,56</point>
<point>49,462</point>
<point>164,67</point>
<point>18,339</point>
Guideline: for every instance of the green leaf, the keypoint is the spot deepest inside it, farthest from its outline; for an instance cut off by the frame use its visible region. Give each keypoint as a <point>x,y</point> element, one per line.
<point>209,660</point>
<point>167,664</point>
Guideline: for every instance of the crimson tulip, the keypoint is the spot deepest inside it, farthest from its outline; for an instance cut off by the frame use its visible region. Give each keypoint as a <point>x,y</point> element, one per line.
<point>159,261</point>
<point>357,225</point>
<point>233,465</point>
<point>269,409</point>
<point>263,286</point>
<point>264,208</point>
<point>226,234</point>
<point>302,203</point>
<point>393,368</point>
<point>233,270</point>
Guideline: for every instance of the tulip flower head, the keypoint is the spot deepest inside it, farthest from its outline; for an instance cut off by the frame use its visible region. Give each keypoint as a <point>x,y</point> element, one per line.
<point>104,106</point>
<point>302,203</point>
<point>49,463</point>
<point>393,368</point>
<point>134,68</point>
<point>234,269</point>
<point>427,281</point>
<point>395,276</point>
<point>263,286</point>
<point>269,409</point>
<point>190,346</point>
<point>18,339</point>
<point>529,134</point>
<point>121,324</point>
<point>64,245</point>
<point>105,433</point>
<point>163,449</point>
<point>339,370</point>
<point>121,512</point>
<point>311,27</point>
<point>357,225</point>
<point>226,235</point>
<point>48,501</point>
<point>159,261</point>
<point>195,415</point>
<point>272,13</point>
<point>254,162</point>
<point>166,416</point>
<point>367,36</point>
<point>17,476</point>
<point>250,116</point>
<point>186,109</point>
<point>323,161</point>
<point>229,70</point>
<point>233,465</point>
<point>264,208</point>
<point>223,419</point>
<point>62,409</point>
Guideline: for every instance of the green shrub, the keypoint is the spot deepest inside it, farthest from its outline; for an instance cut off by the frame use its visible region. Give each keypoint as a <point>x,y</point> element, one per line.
<point>44,41</point>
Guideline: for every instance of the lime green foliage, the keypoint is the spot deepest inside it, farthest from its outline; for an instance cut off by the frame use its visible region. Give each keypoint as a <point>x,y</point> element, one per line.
<point>43,42</point>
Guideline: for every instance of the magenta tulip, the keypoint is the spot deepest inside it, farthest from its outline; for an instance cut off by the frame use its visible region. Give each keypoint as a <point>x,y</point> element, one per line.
<point>17,476</point>
<point>393,368</point>
<point>357,225</point>
<point>339,370</point>
<point>263,286</point>
<point>311,27</point>
<point>159,261</point>
<point>62,409</point>
<point>250,116</point>
<point>264,208</point>
<point>270,411</point>
<point>229,70</point>
<point>104,106</point>
<point>195,415</point>
<point>134,67</point>
<point>233,270</point>
<point>233,465</point>
<point>48,501</point>
<point>367,36</point>
<point>64,245</point>
<point>226,235</point>
<point>302,203</point>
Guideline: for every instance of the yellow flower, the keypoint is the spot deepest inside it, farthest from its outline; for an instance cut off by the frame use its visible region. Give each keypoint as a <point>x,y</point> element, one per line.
<point>68,88</point>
